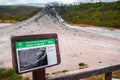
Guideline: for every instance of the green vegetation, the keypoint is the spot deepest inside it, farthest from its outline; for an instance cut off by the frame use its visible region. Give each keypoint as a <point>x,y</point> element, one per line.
<point>104,14</point>
<point>10,74</point>
<point>82,65</point>
<point>63,71</point>
<point>98,77</point>
<point>17,13</point>
<point>116,74</point>
<point>56,72</point>
<point>97,14</point>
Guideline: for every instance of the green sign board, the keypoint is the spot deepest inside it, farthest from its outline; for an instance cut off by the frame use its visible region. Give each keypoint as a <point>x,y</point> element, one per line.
<point>34,43</point>
<point>33,52</point>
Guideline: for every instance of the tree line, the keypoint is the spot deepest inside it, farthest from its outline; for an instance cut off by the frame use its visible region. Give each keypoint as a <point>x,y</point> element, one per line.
<point>106,14</point>
<point>17,13</point>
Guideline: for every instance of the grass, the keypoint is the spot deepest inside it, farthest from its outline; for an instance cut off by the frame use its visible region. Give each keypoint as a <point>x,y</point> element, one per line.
<point>56,72</point>
<point>98,77</point>
<point>115,74</point>
<point>8,21</point>
<point>10,74</point>
<point>82,65</point>
<point>63,71</point>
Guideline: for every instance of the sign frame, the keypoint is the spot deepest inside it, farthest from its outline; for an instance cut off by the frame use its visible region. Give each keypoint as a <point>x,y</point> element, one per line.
<point>25,38</point>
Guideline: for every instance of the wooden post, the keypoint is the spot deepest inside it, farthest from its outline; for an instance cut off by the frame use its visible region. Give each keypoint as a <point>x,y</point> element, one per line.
<point>108,76</point>
<point>39,74</point>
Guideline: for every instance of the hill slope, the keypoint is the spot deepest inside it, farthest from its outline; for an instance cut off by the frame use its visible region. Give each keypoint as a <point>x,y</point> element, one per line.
<point>17,13</point>
<point>98,14</point>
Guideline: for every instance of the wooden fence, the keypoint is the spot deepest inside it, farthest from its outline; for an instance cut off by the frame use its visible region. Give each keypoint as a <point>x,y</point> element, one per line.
<point>77,75</point>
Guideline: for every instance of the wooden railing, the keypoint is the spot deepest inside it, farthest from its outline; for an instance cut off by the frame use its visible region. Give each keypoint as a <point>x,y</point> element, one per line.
<point>77,75</point>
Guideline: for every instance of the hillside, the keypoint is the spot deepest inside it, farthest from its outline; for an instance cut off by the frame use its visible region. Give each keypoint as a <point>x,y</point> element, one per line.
<point>97,14</point>
<point>17,13</point>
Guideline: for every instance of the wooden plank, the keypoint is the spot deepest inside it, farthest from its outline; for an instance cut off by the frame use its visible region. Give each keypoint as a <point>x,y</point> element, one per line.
<point>108,76</point>
<point>80,75</point>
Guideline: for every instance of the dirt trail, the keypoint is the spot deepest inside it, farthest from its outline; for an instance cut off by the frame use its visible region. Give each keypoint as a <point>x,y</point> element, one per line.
<point>92,46</point>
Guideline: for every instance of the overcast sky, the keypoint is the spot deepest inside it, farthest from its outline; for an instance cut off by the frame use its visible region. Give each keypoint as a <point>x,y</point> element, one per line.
<point>4,2</point>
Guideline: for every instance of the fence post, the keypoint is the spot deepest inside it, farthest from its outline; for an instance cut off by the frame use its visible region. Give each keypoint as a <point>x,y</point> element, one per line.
<point>108,76</point>
<point>39,74</point>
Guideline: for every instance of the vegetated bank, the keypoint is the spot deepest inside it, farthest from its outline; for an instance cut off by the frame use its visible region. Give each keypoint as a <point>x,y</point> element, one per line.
<point>106,14</point>
<point>10,74</point>
<point>17,13</point>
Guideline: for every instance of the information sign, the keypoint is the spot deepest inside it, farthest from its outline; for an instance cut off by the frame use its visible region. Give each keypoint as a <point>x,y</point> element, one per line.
<point>33,52</point>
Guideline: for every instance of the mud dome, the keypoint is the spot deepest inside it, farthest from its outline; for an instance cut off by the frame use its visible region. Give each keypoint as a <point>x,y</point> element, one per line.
<point>92,46</point>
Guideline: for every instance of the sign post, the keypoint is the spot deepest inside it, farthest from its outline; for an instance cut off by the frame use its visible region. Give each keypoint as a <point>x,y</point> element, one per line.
<point>39,74</point>
<point>35,53</point>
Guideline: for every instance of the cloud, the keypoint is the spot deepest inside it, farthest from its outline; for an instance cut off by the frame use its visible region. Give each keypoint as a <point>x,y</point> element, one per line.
<point>46,1</point>
<point>33,1</point>
<point>6,1</point>
<point>3,2</point>
<point>67,1</point>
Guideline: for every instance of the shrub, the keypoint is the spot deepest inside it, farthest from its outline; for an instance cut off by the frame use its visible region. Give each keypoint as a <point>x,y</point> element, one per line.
<point>65,70</point>
<point>10,74</point>
<point>82,65</point>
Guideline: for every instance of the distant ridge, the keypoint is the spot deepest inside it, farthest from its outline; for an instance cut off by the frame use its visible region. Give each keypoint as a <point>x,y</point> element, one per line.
<point>27,4</point>
<point>36,4</point>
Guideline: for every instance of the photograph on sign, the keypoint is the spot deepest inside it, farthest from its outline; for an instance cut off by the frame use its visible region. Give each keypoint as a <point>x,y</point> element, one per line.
<point>35,54</point>
<point>31,58</point>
